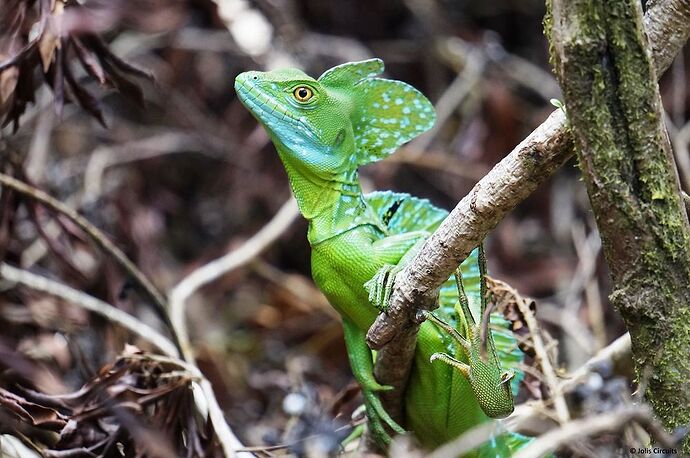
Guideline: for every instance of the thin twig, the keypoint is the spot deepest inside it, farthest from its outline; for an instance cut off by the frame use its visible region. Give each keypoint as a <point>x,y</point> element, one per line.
<point>221,266</point>
<point>594,425</point>
<point>228,441</point>
<point>538,344</point>
<point>529,413</point>
<point>439,161</point>
<point>101,240</point>
<point>522,71</point>
<point>453,97</point>
<point>57,289</point>
<point>164,144</point>
<point>587,248</point>
<point>556,315</point>
<point>615,351</point>
<point>204,275</point>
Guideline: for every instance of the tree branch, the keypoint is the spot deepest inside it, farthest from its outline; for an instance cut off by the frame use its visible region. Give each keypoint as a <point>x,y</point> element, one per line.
<point>511,181</point>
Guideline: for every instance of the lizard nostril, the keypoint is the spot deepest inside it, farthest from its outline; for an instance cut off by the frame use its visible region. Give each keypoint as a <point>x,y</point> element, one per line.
<point>255,77</point>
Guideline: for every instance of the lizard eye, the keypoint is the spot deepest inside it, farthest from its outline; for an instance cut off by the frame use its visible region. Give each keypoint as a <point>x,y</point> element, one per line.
<point>302,94</point>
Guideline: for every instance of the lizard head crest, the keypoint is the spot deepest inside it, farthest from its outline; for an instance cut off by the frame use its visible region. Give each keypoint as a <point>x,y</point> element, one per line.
<point>345,118</point>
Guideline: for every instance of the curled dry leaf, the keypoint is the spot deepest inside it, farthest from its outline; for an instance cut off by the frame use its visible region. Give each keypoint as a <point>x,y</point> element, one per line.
<point>143,402</point>
<point>8,83</point>
<point>50,40</point>
<point>19,408</point>
<point>49,36</point>
<point>506,302</point>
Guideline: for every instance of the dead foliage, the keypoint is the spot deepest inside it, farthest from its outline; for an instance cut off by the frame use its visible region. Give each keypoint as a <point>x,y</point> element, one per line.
<point>49,37</point>
<point>139,405</point>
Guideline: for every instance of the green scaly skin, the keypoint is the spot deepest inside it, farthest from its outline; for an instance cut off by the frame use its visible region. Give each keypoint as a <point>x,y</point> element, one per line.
<point>323,131</point>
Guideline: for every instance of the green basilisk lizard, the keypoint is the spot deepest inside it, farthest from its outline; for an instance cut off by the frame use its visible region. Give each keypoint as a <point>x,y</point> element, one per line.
<point>323,130</point>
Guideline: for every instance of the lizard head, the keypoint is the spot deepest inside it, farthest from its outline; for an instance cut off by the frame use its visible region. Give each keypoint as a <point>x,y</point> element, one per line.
<point>343,119</point>
<point>301,115</point>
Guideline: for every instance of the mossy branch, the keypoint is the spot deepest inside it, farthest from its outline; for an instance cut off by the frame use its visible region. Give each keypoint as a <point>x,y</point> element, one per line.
<point>510,182</point>
<point>605,67</point>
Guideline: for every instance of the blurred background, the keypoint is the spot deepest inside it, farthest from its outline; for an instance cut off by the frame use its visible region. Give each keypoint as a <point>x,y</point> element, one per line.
<point>125,111</point>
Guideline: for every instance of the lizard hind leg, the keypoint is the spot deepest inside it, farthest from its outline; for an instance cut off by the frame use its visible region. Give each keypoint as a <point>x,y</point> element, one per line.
<point>465,369</point>
<point>464,314</point>
<point>462,341</point>
<point>465,346</point>
<point>488,380</point>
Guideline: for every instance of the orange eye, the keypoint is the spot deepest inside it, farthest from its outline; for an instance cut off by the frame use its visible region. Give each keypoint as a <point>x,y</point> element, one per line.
<point>303,94</point>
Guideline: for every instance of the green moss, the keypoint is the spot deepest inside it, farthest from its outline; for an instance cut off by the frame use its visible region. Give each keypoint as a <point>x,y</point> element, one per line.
<point>548,30</point>
<point>613,104</point>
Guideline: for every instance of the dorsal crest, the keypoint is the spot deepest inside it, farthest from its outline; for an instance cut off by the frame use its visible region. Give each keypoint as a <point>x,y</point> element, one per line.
<point>351,73</point>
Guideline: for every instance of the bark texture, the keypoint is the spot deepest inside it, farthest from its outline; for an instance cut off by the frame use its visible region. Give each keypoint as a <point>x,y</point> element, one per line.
<point>605,66</point>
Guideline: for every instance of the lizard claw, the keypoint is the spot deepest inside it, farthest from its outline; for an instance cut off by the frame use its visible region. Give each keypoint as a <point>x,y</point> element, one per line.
<point>381,285</point>
<point>376,387</point>
<point>506,376</point>
<point>465,369</point>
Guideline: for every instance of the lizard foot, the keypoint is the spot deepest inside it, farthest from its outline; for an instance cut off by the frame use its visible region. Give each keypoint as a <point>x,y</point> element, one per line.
<point>379,419</point>
<point>381,286</point>
<point>459,365</point>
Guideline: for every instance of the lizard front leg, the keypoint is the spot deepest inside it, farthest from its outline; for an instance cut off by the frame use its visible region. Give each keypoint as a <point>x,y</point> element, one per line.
<point>393,251</point>
<point>362,365</point>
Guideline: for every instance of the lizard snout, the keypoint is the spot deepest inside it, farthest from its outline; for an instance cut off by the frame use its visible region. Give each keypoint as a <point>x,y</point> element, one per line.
<point>247,79</point>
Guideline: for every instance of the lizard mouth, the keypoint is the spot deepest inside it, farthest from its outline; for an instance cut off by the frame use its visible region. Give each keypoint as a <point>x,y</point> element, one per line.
<point>268,110</point>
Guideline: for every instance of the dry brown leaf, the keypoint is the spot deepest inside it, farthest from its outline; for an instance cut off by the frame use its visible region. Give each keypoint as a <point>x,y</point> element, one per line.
<point>50,40</point>
<point>8,83</point>
<point>30,412</point>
